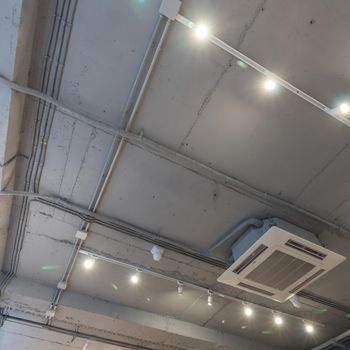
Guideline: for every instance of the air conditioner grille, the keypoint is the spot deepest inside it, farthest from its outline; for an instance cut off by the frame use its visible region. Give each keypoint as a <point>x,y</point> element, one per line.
<point>246,262</point>
<point>305,249</point>
<point>308,280</point>
<point>255,289</point>
<point>279,271</point>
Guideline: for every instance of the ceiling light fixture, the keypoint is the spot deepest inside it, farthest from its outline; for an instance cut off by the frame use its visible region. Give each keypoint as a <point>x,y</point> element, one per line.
<point>255,65</point>
<point>248,311</point>
<point>270,85</point>
<point>201,31</point>
<point>89,263</point>
<point>249,308</point>
<point>278,320</point>
<point>210,298</point>
<point>309,328</point>
<point>344,108</point>
<point>134,279</point>
<point>180,288</point>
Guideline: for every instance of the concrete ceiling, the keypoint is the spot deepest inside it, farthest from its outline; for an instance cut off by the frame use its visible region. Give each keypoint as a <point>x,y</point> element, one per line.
<point>200,103</point>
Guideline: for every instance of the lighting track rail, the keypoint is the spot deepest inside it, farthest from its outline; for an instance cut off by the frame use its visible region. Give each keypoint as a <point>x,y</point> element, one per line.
<point>338,113</point>
<point>191,284</point>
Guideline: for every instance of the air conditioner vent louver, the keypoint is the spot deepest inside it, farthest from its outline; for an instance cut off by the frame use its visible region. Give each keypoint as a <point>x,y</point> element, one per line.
<point>305,249</point>
<point>339,343</point>
<point>250,259</point>
<point>279,270</point>
<point>308,280</point>
<point>277,260</point>
<point>255,289</point>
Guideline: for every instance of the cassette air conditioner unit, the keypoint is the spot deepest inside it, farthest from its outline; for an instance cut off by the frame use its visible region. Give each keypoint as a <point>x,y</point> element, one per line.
<point>277,260</point>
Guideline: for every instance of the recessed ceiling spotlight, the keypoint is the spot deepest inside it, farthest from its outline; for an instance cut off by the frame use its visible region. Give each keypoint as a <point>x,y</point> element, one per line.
<point>344,108</point>
<point>201,31</point>
<point>309,328</point>
<point>270,85</point>
<point>134,279</point>
<point>248,311</point>
<point>89,263</point>
<point>148,300</point>
<point>278,320</point>
<point>210,298</point>
<point>222,321</point>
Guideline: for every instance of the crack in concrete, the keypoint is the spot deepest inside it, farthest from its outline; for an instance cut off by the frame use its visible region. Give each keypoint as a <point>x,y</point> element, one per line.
<point>227,67</point>
<point>9,161</point>
<point>204,324</point>
<point>64,241</point>
<point>83,161</point>
<point>40,339</point>
<point>321,171</point>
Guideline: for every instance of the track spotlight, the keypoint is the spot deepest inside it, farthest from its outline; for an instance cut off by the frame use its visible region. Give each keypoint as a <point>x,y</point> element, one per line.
<point>89,263</point>
<point>134,279</point>
<point>344,108</point>
<point>201,31</point>
<point>180,288</point>
<point>309,328</point>
<point>270,85</point>
<point>278,320</point>
<point>248,311</point>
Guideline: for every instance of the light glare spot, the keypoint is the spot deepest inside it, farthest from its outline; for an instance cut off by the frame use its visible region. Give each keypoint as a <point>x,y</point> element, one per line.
<point>89,263</point>
<point>134,279</point>
<point>201,31</point>
<point>344,108</point>
<point>248,311</point>
<point>270,85</point>
<point>278,320</point>
<point>309,328</point>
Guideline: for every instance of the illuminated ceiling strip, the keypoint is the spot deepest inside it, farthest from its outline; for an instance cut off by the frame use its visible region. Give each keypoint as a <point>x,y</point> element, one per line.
<point>216,41</point>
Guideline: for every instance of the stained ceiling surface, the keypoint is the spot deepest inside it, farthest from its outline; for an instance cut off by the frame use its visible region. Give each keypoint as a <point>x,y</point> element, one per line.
<point>145,135</point>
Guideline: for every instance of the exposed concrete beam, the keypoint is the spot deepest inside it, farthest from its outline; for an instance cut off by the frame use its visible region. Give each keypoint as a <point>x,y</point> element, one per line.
<point>191,164</point>
<point>17,26</point>
<point>30,300</point>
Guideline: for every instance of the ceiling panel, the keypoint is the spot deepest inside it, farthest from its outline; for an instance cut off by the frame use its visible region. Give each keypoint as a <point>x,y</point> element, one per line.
<point>104,56</point>
<point>164,198</point>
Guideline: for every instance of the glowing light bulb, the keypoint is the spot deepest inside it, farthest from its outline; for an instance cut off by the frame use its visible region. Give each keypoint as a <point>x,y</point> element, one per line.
<point>134,278</point>
<point>210,298</point>
<point>309,328</point>
<point>344,108</point>
<point>201,31</point>
<point>89,263</point>
<point>278,320</point>
<point>270,85</point>
<point>248,311</point>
